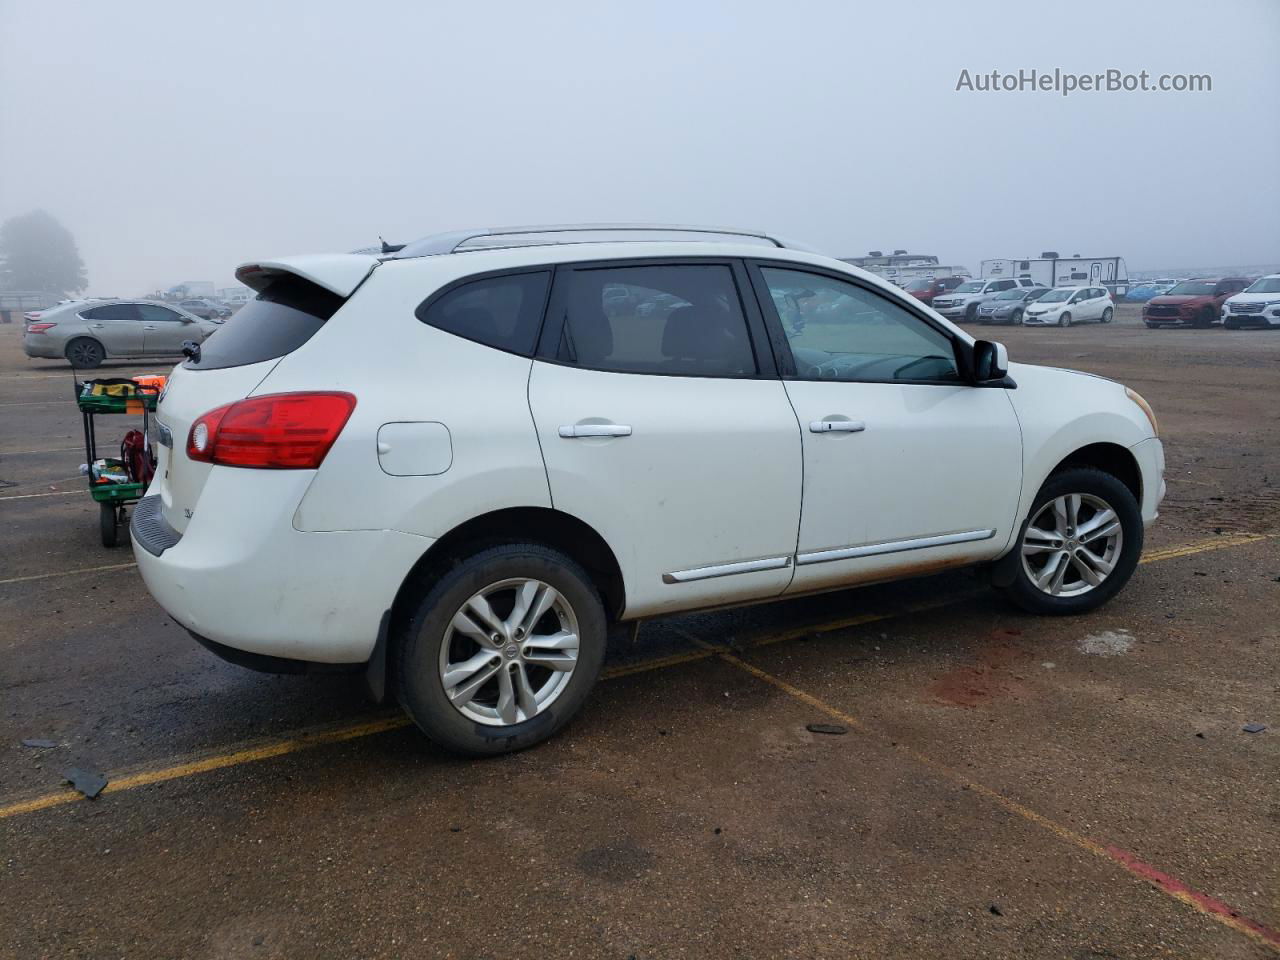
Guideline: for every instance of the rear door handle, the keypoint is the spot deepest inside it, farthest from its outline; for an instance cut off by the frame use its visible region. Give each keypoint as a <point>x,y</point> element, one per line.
<point>574,431</point>
<point>836,426</point>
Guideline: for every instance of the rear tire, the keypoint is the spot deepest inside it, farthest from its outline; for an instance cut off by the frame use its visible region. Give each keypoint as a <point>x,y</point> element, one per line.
<point>1106,315</point>
<point>1041,554</point>
<point>108,525</point>
<point>1064,320</point>
<point>467,633</point>
<point>85,353</point>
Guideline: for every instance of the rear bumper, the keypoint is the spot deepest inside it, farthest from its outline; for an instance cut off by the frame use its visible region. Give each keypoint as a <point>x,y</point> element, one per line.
<point>241,577</point>
<point>39,345</point>
<point>1150,457</point>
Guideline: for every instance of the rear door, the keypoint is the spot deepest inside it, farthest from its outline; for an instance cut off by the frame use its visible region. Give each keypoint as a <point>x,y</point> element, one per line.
<point>118,327</point>
<point>664,427</point>
<point>164,330</point>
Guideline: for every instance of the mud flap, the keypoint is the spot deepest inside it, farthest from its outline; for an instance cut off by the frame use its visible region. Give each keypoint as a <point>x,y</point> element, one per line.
<point>375,671</point>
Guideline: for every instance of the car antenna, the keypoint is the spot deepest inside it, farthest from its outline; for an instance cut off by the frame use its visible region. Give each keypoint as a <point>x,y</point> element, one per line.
<point>391,247</point>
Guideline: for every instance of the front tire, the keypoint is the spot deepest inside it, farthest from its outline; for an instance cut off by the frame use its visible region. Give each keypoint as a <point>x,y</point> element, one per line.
<point>971,313</point>
<point>1064,320</point>
<point>1204,319</point>
<point>1015,318</point>
<point>85,353</point>
<point>1079,544</point>
<point>502,650</point>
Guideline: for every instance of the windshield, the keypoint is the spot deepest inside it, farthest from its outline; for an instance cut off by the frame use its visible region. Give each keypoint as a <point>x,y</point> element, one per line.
<point>1017,293</point>
<point>1057,296</point>
<point>1192,288</point>
<point>1265,285</point>
<point>972,286</point>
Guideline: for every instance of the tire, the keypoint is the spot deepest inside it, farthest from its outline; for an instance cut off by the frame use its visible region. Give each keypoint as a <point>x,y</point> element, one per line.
<point>1076,595</point>
<point>1064,320</point>
<point>1153,326</point>
<point>1107,314</point>
<point>1228,324</point>
<point>85,353</point>
<point>970,313</point>
<point>431,644</point>
<point>1015,318</point>
<point>107,524</point>
<point>1204,319</point>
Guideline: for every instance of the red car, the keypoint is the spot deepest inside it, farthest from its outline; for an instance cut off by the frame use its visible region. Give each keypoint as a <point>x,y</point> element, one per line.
<point>1196,303</point>
<point>926,288</point>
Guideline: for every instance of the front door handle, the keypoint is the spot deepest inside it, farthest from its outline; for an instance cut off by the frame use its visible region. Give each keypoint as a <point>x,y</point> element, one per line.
<point>836,426</point>
<point>595,430</point>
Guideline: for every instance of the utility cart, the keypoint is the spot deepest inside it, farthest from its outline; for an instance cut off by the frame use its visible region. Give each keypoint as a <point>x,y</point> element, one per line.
<point>115,482</point>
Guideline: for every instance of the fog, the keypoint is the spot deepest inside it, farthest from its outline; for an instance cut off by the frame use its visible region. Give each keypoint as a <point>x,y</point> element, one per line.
<point>176,140</point>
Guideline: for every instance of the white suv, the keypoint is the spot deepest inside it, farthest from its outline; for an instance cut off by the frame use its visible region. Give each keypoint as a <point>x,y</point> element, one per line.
<point>452,466</point>
<point>962,303</point>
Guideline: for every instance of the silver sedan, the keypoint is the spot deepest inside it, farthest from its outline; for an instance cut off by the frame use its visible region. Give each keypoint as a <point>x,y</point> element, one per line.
<point>86,332</point>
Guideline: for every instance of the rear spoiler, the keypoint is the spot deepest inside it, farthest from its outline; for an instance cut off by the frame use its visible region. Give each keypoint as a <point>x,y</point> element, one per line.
<point>339,273</point>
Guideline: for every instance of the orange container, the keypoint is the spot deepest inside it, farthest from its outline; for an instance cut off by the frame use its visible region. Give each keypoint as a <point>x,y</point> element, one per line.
<point>156,381</point>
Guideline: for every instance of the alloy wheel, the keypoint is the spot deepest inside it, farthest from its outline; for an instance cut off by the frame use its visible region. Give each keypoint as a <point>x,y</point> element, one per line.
<point>509,652</point>
<point>1072,545</point>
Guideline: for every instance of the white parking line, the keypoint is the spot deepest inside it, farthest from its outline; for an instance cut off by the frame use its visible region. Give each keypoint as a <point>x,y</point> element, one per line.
<point>32,496</point>
<point>69,573</point>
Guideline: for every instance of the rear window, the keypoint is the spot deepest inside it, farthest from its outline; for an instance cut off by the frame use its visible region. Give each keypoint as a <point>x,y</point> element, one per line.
<point>284,316</point>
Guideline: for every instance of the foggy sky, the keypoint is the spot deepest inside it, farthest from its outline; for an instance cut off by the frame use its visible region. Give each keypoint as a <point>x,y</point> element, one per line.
<point>176,140</point>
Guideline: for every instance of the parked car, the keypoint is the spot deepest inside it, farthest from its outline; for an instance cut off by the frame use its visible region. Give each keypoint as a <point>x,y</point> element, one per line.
<point>1063,306</point>
<point>86,332</point>
<point>461,517</point>
<point>1145,291</point>
<point>1008,306</point>
<point>925,289</point>
<point>962,303</point>
<point>1256,306</point>
<point>1196,303</point>
<point>206,309</point>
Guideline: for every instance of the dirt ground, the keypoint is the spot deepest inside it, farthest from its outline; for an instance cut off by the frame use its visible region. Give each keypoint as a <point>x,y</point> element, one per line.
<point>1005,786</point>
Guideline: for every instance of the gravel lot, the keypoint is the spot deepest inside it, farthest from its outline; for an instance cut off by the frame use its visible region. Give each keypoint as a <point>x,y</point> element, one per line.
<point>1006,786</point>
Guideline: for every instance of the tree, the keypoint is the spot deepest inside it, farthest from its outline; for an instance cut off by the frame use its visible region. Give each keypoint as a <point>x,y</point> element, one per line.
<point>39,253</point>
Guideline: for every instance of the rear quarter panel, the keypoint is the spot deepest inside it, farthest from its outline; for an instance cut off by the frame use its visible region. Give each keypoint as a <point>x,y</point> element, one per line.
<point>403,371</point>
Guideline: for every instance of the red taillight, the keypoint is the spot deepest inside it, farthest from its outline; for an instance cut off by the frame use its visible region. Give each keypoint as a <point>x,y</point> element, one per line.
<point>279,431</point>
<point>39,327</point>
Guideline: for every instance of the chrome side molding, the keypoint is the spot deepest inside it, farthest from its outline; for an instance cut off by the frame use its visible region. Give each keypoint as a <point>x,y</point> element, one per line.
<point>726,569</point>
<point>892,546</point>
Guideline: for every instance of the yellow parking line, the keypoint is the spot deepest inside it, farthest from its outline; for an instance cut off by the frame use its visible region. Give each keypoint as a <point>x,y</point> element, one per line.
<point>69,573</point>
<point>313,738</point>
<point>1203,546</point>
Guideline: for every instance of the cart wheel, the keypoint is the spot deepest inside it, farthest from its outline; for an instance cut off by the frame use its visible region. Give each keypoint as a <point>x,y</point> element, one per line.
<point>108,522</point>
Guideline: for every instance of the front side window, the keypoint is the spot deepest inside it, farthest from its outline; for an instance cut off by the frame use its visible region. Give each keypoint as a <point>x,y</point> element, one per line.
<point>153,313</point>
<point>1057,295</point>
<point>970,286</point>
<point>503,312</point>
<point>841,331</point>
<point>677,320</point>
<point>112,311</point>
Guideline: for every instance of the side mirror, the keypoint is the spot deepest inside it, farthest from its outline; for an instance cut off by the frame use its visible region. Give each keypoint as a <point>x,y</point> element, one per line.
<point>990,362</point>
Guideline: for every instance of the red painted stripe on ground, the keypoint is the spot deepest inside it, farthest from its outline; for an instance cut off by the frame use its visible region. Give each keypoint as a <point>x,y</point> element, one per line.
<point>1180,890</point>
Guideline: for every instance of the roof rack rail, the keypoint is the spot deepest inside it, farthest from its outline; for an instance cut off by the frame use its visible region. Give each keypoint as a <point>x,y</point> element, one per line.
<point>492,238</point>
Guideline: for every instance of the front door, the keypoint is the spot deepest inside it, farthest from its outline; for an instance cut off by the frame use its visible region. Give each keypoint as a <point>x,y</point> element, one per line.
<point>164,330</point>
<point>906,467</point>
<point>663,426</point>
<point>118,327</point>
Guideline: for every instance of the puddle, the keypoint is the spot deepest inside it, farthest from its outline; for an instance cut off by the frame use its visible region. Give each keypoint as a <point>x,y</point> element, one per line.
<point>1109,643</point>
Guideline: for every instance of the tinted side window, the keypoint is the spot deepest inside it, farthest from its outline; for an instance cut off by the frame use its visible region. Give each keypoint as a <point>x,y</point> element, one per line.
<point>153,313</point>
<point>284,316</point>
<point>503,312</point>
<point>841,331</point>
<point>112,311</point>
<point>1005,285</point>
<point>679,320</point>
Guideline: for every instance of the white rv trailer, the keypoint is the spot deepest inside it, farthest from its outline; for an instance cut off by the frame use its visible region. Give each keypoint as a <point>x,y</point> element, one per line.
<point>900,266</point>
<point>1054,271</point>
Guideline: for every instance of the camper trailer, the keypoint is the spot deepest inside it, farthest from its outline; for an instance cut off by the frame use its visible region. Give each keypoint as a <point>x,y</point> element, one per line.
<point>1052,270</point>
<point>900,266</point>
